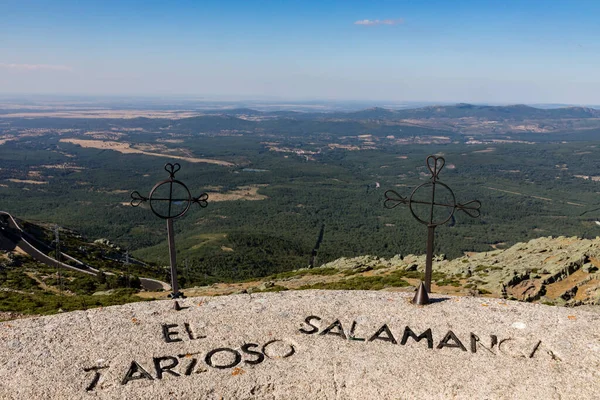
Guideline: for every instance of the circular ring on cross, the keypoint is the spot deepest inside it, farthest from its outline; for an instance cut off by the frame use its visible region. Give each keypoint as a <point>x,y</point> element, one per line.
<point>170,199</point>
<point>435,217</point>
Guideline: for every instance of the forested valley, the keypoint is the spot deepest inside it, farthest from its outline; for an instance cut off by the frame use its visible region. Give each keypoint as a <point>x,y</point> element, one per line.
<point>288,192</point>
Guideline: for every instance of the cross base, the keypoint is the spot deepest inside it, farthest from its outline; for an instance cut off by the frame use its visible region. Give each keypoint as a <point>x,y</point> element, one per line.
<point>176,295</point>
<point>421,297</point>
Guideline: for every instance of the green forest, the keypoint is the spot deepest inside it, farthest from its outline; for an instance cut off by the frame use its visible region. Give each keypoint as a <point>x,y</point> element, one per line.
<point>526,190</point>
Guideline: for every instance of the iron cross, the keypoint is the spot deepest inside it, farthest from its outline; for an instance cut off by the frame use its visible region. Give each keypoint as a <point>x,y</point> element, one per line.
<point>437,212</point>
<point>170,199</point>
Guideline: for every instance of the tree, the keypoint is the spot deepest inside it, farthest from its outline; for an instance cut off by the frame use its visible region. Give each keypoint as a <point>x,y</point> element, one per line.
<point>101,277</point>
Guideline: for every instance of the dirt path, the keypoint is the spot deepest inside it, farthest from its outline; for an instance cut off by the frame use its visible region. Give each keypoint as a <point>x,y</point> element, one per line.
<point>45,287</point>
<point>535,197</point>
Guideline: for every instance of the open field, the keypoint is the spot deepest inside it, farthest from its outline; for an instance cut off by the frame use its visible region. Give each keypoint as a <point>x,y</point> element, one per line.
<point>125,148</point>
<point>28,181</point>
<point>249,193</point>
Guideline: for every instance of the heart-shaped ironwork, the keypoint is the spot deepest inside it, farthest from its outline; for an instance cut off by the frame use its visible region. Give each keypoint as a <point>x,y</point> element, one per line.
<point>201,200</point>
<point>137,199</point>
<point>435,165</point>
<point>393,199</point>
<point>172,169</point>
<point>472,208</point>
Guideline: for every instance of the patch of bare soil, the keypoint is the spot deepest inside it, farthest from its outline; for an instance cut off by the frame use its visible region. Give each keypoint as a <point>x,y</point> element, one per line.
<point>29,181</point>
<point>155,295</point>
<point>102,135</point>
<point>582,291</point>
<point>343,146</point>
<point>295,282</point>
<point>45,287</point>
<point>34,174</point>
<point>588,177</point>
<point>241,193</point>
<point>174,141</point>
<point>488,150</point>
<point>65,166</point>
<point>9,316</point>
<point>125,148</point>
<point>20,251</point>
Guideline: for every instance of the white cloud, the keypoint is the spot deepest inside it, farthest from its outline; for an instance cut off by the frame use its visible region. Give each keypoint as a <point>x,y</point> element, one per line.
<point>36,67</point>
<point>372,22</point>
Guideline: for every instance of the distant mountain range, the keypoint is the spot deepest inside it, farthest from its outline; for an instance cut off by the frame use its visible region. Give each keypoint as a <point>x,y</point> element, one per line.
<point>462,110</point>
<point>569,123</point>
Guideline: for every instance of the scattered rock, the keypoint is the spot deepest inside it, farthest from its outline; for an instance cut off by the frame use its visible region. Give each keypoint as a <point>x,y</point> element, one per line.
<point>411,267</point>
<point>106,242</point>
<point>265,285</point>
<point>569,294</point>
<point>440,257</point>
<point>525,271</point>
<point>589,268</point>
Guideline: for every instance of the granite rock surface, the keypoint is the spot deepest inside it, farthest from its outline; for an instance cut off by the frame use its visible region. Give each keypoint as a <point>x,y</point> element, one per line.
<point>305,345</point>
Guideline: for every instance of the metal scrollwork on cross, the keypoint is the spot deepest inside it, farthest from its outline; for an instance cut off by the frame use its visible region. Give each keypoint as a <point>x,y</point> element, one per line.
<point>436,213</point>
<point>186,199</point>
<point>170,199</point>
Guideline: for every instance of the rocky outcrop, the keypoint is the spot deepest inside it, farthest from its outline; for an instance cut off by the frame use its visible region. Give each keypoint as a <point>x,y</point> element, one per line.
<point>546,269</point>
<point>364,261</point>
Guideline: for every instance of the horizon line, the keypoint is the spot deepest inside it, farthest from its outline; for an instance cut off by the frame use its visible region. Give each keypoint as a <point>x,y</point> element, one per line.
<point>273,99</point>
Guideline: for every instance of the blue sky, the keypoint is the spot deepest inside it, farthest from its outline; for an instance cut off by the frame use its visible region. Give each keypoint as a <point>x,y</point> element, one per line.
<point>472,51</point>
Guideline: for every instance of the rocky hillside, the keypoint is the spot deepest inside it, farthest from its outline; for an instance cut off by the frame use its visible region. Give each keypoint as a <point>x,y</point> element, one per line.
<point>36,278</point>
<point>560,271</point>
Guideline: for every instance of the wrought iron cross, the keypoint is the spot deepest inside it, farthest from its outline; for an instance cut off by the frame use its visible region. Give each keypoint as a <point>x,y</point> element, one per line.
<point>170,199</point>
<point>436,212</point>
